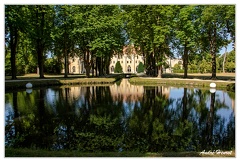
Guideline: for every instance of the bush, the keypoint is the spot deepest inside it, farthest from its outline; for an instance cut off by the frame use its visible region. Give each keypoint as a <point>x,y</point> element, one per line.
<point>118,68</point>
<point>140,68</point>
<point>178,71</point>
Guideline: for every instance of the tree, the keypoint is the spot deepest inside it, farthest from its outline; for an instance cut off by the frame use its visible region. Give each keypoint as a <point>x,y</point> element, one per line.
<point>186,32</point>
<point>62,35</point>
<point>118,68</point>
<point>230,61</point>
<point>149,27</point>
<point>97,33</point>
<point>40,23</point>
<point>214,31</point>
<point>14,24</point>
<point>140,68</point>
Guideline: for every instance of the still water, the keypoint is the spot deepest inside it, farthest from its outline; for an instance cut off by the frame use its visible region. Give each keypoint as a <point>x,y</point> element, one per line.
<point>120,117</point>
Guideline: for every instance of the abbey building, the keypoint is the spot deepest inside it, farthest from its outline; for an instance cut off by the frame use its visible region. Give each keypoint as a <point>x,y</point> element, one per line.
<point>129,60</point>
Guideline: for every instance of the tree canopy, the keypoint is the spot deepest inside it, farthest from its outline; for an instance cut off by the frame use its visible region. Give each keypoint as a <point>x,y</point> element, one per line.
<point>97,32</point>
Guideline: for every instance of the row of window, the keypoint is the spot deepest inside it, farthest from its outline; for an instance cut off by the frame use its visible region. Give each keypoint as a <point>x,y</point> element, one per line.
<point>120,57</point>
<point>112,69</point>
<point>128,69</point>
<point>113,62</point>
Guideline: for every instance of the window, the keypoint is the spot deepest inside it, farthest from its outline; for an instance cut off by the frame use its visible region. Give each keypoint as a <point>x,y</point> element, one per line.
<point>121,61</point>
<point>127,61</point>
<point>129,68</point>
<point>73,69</point>
<point>136,61</point>
<point>112,69</point>
<point>73,60</point>
<point>137,68</point>
<point>130,62</point>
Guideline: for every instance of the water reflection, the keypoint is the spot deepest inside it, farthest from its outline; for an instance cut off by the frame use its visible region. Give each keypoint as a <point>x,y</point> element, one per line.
<point>120,117</point>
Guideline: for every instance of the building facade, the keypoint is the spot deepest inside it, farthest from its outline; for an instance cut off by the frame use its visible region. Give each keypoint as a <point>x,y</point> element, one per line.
<point>129,60</point>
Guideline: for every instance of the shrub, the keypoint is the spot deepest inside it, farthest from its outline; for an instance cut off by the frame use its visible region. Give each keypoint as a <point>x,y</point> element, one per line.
<point>140,68</point>
<point>118,68</point>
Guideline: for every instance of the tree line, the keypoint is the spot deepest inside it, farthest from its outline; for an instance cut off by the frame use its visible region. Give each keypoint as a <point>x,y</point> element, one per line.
<point>97,32</point>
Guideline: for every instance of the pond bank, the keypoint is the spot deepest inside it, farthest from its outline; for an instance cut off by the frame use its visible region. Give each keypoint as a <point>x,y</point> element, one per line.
<point>220,84</point>
<point>18,84</point>
<point>21,83</point>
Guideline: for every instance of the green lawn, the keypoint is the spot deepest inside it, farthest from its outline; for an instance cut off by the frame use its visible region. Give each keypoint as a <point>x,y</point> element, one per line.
<point>225,80</point>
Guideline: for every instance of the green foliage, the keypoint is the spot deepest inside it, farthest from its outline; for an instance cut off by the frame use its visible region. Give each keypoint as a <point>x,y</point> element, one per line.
<point>176,67</point>
<point>230,62</point>
<point>7,64</point>
<point>118,68</point>
<point>204,66</point>
<point>99,31</point>
<point>140,68</point>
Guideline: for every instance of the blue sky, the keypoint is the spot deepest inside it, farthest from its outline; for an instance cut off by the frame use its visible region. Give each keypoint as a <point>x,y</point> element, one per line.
<point>229,48</point>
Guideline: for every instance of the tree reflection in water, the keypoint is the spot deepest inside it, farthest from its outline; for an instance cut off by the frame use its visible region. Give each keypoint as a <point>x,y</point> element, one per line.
<point>120,117</point>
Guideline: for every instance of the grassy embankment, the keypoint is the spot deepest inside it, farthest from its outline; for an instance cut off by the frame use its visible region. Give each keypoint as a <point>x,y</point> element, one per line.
<point>224,80</point>
<point>51,80</point>
<point>11,152</point>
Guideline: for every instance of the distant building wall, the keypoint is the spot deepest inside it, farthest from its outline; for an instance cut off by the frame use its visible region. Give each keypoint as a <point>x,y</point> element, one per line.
<point>129,60</point>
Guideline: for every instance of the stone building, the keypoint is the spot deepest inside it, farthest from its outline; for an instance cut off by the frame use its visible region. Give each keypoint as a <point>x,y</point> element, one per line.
<point>129,60</point>
<point>75,65</point>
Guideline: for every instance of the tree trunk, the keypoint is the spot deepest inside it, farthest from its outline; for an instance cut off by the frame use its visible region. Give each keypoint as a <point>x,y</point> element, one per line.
<point>92,67</point>
<point>40,44</point>
<point>87,63</point>
<point>213,52</point>
<point>13,46</point>
<point>160,71</point>
<point>107,64</point>
<point>65,63</point>
<point>185,60</point>
<point>224,58</point>
<point>101,63</point>
<point>97,69</point>
<point>40,61</point>
<point>99,66</point>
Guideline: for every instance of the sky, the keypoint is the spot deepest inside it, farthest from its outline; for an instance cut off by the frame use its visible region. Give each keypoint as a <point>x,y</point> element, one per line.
<point>229,48</point>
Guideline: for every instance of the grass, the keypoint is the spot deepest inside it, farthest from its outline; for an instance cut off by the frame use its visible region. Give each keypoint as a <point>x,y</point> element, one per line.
<point>13,152</point>
<point>51,80</point>
<point>224,80</point>
<point>204,76</point>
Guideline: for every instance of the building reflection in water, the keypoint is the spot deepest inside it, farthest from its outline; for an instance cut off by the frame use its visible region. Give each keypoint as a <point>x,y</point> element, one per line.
<point>132,93</point>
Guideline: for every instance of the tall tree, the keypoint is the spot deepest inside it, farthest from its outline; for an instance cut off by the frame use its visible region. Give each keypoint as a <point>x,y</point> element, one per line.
<point>150,28</point>
<point>40,25</point>
<point>214,31</point>
<point>186,32</point>
<point>14,24</point>
<point>62,35</point>
<point>98,34</point>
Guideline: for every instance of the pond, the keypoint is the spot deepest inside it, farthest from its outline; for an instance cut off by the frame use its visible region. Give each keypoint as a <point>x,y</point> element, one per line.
<point>120,117</point>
